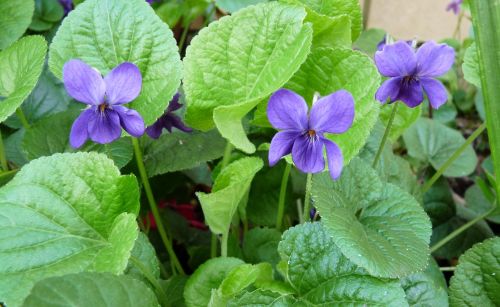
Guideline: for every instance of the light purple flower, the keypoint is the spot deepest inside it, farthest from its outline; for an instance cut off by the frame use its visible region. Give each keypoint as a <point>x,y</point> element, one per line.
<point>168,120</point>
<point>411,73</point>
<point>454,6</point>
<point>103,119</point>
<point>303,135</point>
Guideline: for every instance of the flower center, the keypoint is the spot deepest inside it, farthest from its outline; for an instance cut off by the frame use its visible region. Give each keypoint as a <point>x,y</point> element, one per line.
<point>311,133</point>
<point>408,79</point>
<point>103,107</point>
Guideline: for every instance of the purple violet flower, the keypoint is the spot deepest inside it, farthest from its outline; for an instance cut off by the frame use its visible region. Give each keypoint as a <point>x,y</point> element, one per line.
<point>168,120</point>
<point>454,6</point>
<point>67,6</point>
<point>103,119</point>
<point>411,73</point>
<point>302,136</point>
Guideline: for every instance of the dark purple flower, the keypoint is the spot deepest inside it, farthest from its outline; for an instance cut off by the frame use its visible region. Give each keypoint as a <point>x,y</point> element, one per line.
<point>302,136</point>
<point>454,6</point>
<point>168,120</point>
<point>411,73</point>
<point>103,119</point>
<point>67,6</point>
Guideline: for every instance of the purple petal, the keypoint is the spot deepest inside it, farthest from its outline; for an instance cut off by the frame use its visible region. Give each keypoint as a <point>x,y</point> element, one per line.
<point>389,90</point>
<point>434,60</point>
<point>335,159</point>
<point>154,131</point>
<point>307,154</point>
<point>174,104</point>
<point>79,131</point>
<point>396,60</point>
<point>123,83</point>
<point>411,93</point>
<point>333,113</point>
<point>177,123</point>
<point>104,127</point>
<point>281,145</point>
<point>436,92</point>
<point>130,120</point>
<point>83,83</point>
<point>287,110</point>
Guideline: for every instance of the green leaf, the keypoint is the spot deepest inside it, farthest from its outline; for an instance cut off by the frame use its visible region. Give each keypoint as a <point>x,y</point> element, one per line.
<point>232,6</point>
<point>174,289</point>
<point>477,278</point>
<point>438,202</point>
<point>323,276</point>
<point>260,245</point>
<point>91,289</point>
<point>13,148</point>
<point>377,226</point>
<point>432,142</point>
<point>145,253</point>
<point>47,13</point>
<point>185,151</point>
<point>20,67</point>
<point>15,17</point>
<point>478,202</point>
<point>106,33</point>
<point>403,119</point>
<point>51,135</point>
<point>231,66</point>
<point>426,288</point>
<point>206,278</point>
<point>368,40</point>
<point>67,213</point>
<point>227,193</point>
<point>170,13</point>
<point>262,298</point>
<point>328,70</point>
<point>470,67</point>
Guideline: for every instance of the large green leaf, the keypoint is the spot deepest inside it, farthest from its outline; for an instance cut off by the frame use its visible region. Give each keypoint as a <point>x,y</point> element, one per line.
<point>91,289</point>
<point>328,70</point>
<point>377,226</point>
<point>208,276</point>
<point>105,33</point>
<point>432,142</point>
<point>228,191</point>
<point>63,214</point>
<point>232,6</point>
<point>323,276</point>
<point>15,17</point>
<point>470,66</point>
<point>20,66</point>
<point>403,118</point>
<point>477,278</point>
<point>238,61</point>
<point>185,151</point>
<point>262,298</point>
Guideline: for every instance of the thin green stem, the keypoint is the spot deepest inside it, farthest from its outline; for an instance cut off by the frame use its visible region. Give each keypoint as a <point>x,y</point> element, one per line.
<point>463,228</point>
<point>3,158</point>
<point>213,246</point>
<point>307,198</point>
<point>184,34</point>
<point>223,244</point>
<point>154,207</point>
<point>22,118</point>
<point>386,135</point>
<point>149,276</point>
<point>453,157</point>
<point>227,155</point>
<point>447,268</point>
<point>281,202</point>
<point>299,211</point>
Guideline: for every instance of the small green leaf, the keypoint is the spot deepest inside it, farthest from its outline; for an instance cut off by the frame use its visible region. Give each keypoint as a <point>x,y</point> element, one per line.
<point>145,253</point>
<point>67,213</point>
<point>47,14</point>
<point>106,33</point>
<point>206,278</point>
<point>15,17</point>
<point>20,66</point>
<point>228,191</point>
<point>377,226</point>
<point>470,66</point>
<point>368,40</point>
<point>403,119</point>
<point>231,6</point>
<point>185,151</point>
<point>477,278</point>
<point>240,60</point>
<point>432,142</point>
<point>91,289</point>
<point>477,202</point>
<point>438,202</point>
<point>260,245</point>
<point>426,288</point>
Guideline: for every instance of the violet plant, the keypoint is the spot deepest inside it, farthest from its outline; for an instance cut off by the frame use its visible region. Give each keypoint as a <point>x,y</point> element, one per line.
<point>276,184</point>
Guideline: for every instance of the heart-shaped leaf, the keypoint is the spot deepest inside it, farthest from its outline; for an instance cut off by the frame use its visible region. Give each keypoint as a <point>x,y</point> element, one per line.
<point>426,288</point>
<point>15,17</point>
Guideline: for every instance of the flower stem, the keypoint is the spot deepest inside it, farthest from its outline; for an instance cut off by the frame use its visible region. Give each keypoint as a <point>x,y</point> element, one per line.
<point>281,202</point>
<point>213,246</point>
<point>227,155</point>
<point>3,158</point>
<point>463,228</point>
<point>22,118</point>
<point>149,276</point>
<point>307,198</point>
<point>223,244</point>
<point>453,157</point>
<point>386,135</point>
<point>184,34</point>
<point>154,207</point>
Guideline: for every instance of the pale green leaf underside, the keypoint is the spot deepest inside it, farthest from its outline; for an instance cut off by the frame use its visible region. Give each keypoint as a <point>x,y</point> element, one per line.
<point>470,66</point>
<point>106,33</point>
<point>15,17</point>
<point>20,66</point>
<point>328,70</point>
<point>91,289</point>
<point>62,214</point>
<point>432,142</point>
<point>240,60</point>
<point>477,278</point>
<point>376,225</point>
